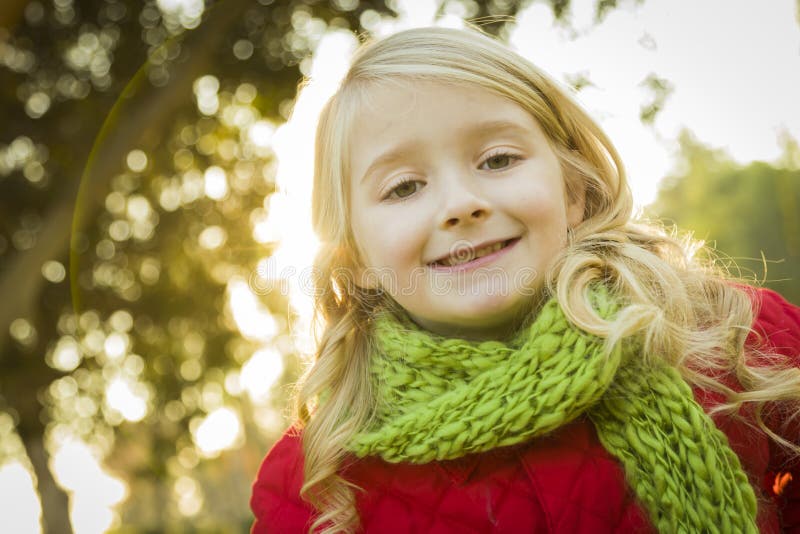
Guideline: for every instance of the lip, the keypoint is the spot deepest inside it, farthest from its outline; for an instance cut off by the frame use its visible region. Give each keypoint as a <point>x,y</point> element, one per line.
<point>477,262</point>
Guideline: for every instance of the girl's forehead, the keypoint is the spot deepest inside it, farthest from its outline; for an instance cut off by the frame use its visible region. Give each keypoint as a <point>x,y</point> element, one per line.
<point>394,98</point>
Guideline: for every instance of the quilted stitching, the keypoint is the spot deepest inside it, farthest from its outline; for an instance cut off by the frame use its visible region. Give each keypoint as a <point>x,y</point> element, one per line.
<point>581,486</point>
<point>474,497</point>
<point>276,491</point>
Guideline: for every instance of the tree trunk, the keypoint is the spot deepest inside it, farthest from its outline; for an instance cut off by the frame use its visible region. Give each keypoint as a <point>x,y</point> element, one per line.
<point>11,12</point>
<point>20,281</point>
<point>55,502</point>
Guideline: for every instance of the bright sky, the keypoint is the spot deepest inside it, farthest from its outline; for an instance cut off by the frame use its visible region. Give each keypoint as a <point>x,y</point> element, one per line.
<point>734,65</point>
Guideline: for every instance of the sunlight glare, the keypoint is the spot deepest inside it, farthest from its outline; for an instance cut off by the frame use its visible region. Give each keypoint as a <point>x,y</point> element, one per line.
<point>252,318</point>
<point>218,431</point>
<point>260,372</point>
<point>127,397</point>
<point>94,491</point>
<point>216,183</point>
<point>260,133</point>
<point>19,504</point>
<point>272,228</point>
<point>293,143</point>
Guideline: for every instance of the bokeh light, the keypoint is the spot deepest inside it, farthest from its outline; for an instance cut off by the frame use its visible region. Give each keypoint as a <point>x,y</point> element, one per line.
<point>127,397</point>
<point>253,320</point>
<point>54,271</point>
<point>19,504</point>
<point>186,13</point>
<point>37,105</point>
<point>94,491</point>
<point>260,372</point>
<point>189,495</point>
<point>66,356</point>
<point>205,90</point>
<point>212,238</point>
<point>23,332</point>
<point>216,183</point>
<point>218,431</point>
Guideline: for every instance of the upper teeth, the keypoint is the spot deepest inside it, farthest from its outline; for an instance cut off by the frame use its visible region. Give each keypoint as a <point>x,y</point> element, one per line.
<point>465,256</point>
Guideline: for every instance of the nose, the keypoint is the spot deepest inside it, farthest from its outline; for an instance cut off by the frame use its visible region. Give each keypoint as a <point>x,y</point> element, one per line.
<point>463,206</point>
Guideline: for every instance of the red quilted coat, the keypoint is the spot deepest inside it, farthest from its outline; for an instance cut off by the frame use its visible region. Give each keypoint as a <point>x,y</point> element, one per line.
<point>564,482</point>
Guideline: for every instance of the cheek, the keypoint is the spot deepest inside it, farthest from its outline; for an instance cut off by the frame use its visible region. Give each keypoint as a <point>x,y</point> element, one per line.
<point>397,246</point>
<point>387,243</point>
<point>363,239</point>
<point>546,223</point>
<point>541,208</point>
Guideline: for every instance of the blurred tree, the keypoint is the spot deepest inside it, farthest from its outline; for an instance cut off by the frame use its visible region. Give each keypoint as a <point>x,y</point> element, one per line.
<point>749,214</point>
<point>130,183</point>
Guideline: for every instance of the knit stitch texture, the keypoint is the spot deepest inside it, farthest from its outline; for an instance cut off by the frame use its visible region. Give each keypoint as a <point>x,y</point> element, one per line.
<point>440,398</point>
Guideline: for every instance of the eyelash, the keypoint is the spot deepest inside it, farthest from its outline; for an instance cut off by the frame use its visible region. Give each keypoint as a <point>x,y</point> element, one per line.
<point>498,153</point>
<point>501,152</point>
<point>403,181</point>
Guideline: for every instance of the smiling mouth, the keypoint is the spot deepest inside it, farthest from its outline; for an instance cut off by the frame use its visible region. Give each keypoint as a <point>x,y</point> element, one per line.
<point>467,255</point>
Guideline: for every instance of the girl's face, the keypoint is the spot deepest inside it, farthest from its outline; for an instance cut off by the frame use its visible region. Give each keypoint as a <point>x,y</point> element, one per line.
<point>458,205</point>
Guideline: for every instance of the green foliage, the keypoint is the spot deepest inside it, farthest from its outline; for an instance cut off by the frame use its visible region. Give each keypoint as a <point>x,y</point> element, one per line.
<point>103,153</point>
<point>660,90</point>
<point>102,163</point>
<point>749,214</point>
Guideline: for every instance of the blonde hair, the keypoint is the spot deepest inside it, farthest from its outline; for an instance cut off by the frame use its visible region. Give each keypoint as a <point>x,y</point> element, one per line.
<point>682,308</point>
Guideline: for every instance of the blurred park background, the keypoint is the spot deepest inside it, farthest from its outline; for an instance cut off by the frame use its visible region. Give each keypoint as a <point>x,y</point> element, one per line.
<point>154,213</point>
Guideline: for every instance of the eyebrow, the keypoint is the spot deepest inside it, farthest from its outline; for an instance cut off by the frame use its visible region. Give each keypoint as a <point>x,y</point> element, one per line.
<point>476,131</point>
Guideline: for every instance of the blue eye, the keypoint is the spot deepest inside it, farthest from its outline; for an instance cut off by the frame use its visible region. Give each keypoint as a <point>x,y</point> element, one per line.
<point>404,189</point>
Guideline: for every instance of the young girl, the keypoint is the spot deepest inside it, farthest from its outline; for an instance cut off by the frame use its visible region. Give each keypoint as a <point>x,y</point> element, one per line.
<point>504,349</point>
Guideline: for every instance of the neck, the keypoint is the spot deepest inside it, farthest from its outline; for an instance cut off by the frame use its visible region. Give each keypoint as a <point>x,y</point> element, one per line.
<point>521,319</point>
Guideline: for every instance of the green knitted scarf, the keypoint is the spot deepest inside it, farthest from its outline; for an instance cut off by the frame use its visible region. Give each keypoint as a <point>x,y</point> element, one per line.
<point>441,398</point>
